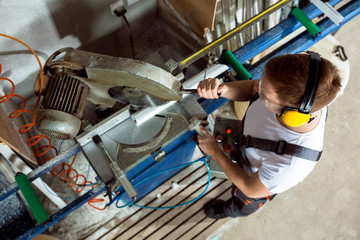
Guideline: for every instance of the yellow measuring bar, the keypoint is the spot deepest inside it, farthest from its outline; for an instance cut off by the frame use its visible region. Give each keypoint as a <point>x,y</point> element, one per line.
<point>230,34</point>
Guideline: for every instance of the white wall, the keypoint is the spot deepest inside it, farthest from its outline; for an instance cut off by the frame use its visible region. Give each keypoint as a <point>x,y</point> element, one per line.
<point>48,25</point>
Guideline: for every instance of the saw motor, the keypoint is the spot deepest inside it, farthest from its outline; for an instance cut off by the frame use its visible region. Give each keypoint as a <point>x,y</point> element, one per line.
<point>101,79</point>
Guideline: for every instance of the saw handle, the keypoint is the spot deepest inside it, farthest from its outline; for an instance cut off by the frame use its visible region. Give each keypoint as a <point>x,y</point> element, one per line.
<point>188,91</point>
<point>191,91</point>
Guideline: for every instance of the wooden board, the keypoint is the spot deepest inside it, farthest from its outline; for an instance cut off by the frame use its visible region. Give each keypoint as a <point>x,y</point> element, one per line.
<point>199,14</point>
<point>9,131</point>
<point>240,109</point>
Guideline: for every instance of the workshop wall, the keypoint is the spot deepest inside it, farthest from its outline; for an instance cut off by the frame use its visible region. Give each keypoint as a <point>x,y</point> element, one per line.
<point>48,25</point>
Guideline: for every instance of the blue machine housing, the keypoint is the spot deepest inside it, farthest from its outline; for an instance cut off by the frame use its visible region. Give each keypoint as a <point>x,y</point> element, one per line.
<point>178,152</point>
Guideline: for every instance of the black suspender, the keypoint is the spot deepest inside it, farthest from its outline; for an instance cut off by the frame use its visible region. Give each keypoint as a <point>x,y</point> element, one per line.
<point>279,147</point>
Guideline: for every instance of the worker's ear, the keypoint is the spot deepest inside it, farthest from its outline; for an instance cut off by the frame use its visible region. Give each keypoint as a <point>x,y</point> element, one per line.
<point>293,118</point>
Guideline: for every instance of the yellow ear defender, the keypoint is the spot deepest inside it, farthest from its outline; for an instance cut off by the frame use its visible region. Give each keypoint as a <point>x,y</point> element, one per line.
<point>295,117</point>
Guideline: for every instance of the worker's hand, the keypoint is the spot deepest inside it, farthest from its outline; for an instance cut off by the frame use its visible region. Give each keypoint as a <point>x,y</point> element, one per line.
<point>210,88</point>
<point>207,142</point>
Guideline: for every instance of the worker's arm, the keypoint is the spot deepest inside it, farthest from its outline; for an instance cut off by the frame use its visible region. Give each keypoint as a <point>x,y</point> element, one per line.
<point>236,91</point>
<point>251,186</point>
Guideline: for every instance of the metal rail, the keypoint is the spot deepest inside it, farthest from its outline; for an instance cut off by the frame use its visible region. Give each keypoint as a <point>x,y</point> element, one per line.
<point>300,43</point>
<point>48,166</point>
<point>202,52</point>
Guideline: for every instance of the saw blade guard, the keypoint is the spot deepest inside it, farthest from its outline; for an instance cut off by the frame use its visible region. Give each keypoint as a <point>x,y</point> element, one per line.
<point>79,76</point>
<point>135,79</point>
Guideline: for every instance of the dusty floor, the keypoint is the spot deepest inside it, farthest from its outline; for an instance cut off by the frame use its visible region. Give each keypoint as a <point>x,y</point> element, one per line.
<point>325,205</point>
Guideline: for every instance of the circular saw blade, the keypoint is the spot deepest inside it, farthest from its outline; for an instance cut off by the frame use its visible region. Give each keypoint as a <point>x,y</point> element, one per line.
<point>129,133</point>
<point>134,96</point>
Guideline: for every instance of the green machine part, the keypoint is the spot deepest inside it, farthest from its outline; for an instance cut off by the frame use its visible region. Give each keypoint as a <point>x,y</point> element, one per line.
<point>240,70</point>
<point>31,198</point>
<point>308,24</point>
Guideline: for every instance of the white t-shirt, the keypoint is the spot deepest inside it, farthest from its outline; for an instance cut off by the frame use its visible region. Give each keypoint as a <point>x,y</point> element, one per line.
<point>280,172</point>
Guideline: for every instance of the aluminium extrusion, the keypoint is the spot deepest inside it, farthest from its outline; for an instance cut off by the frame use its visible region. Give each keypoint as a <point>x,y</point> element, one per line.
<point>202,52</point>
<point>104,126</point>
<point>275,34</point>
<point>300,43</point>
<point>210,72</point>
<point>305,40</point>
<point>329,11</point>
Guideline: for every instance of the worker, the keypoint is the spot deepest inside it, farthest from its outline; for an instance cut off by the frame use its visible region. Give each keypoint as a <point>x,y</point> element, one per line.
<point>283,129</point>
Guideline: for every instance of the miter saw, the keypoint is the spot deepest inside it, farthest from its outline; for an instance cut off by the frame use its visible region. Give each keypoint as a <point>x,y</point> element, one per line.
<point>152,109</point>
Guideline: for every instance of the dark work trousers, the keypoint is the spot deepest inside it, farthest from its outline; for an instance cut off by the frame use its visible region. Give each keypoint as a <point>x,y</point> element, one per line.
<point>239,205</point>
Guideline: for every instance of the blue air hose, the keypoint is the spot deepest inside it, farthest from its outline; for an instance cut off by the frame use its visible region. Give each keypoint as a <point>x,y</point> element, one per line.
<point>203,159</point>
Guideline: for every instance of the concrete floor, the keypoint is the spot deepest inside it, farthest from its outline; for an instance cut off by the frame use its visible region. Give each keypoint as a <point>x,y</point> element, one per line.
<point>325,205</point>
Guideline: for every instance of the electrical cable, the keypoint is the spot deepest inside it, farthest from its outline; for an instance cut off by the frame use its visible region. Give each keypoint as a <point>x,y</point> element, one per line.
<point>40,66</point>
<point>121,13</point>
<point>42,150</point>
<point>203,159</point>
<point>131,36</point>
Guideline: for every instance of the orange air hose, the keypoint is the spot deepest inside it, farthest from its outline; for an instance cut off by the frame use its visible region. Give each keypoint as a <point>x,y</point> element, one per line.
<point>36,139</point>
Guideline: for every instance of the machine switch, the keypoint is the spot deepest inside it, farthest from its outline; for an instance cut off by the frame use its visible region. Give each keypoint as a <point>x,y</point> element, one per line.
<point>227,147</point>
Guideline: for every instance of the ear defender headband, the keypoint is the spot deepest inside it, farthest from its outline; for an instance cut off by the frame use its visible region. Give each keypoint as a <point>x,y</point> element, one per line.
<point>295,117</point>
